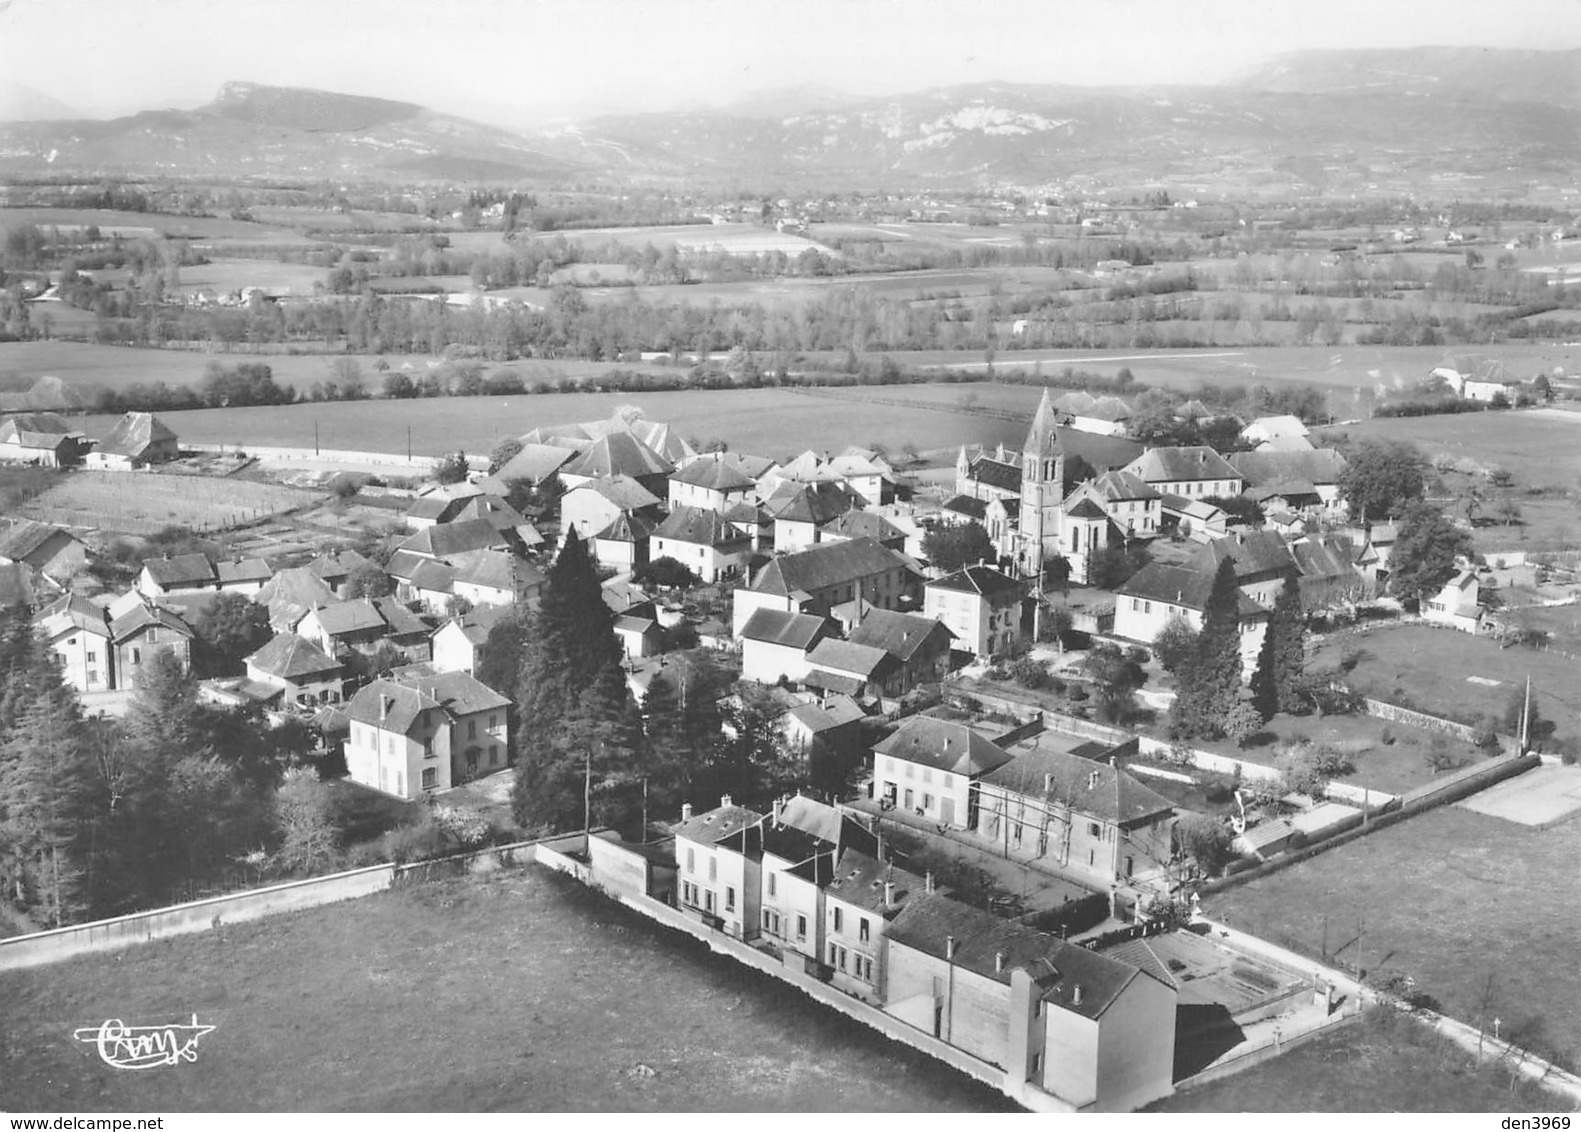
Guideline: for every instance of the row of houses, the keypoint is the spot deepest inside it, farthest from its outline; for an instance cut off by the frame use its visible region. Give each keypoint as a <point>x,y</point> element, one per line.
<point>814,887</point>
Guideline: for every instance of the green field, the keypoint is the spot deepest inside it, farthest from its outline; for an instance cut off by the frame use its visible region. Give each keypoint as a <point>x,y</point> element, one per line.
<point>519,992</point>
<point>1428,669</point>
<point>1540,447</point>
<point>1448,898</point>
<point>770,422</point>
<point>1384,1063</point>
<point>195,228</point>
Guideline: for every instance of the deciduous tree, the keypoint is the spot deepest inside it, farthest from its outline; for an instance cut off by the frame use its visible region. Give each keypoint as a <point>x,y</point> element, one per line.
<point>950,547</point>
<point>1381,478</point>
<point>1424,553</point>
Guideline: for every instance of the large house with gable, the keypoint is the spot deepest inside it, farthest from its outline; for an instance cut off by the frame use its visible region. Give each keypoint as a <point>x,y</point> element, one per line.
<point>818,579</point>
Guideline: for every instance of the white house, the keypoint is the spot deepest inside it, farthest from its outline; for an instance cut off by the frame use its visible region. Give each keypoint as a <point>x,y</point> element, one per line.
<point>930,767</point>
<point>1455,605</point>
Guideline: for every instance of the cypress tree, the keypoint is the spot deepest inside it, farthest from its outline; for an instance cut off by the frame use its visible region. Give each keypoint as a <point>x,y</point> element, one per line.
<point>1288,627</point>
<point>1210,684</point>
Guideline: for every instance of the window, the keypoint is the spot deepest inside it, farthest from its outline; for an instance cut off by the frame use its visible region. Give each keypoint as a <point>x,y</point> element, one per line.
<point>801,927</point>
<point>1037,1064</point>
<point>730,898</point>
<point>93,676</point>
<point>494,755</point>
<point>472,729</point>
<point>927,774</point>
<point>428,749</point>
<point>691,860</point>
<point>772,879</point>
<point>491,722</point>
<point>389,744</point>
<point>708,901</point>
<point>861,930</point>
<point>1093,829</point>
<point>137,656</point>
<point>430,778</point>
<point>1135,605</point>
<point>713,868</point>
<point>92,656</point>
<point>839,920</point>
<point>949,781</point>
<point>927,801</point>
<point>1147,607</point>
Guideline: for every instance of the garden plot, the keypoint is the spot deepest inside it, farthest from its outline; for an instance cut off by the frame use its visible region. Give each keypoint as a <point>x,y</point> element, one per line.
<point>145,502</point>
<point>1538,798</point>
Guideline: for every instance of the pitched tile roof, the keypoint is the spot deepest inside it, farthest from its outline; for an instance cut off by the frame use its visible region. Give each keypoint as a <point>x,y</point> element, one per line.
<point>37,430</point>
<point>455,693</point>
<point>698,526</point>
<point>623,491</point>
<point>864,524</point>
<point>1096,789</point>
<point>144,616</point>
<point>1180,464</point>
<point>716,825</point>
<point>1106,409</point>
<point>859,880</point>
<point>1121,484</point>
<point>26,536</point>
<point>182,569</point>
<point>628,526</point>
<point>983,580</point>
<point>714,473</point>
<point>444,539</point>
<point>808,503</point>
<point>825,565</point>
<point>899,634</point>
<point>967,505</point>
<point>290,657</point>
<point>243,570</point>
<point>934,923</point>
<point>850,659</point>
<point>777,627</point>
<point>617,454</point>
<point>1006,476</point>
<point>943,745</point>
<point>534,463</point>
<point>1253,552</point>
<point>338,565</point>
<point>133,435</point>
<point>343,617</point>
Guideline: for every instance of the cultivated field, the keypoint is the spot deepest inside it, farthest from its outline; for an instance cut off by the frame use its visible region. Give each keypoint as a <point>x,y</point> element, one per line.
<point>771,422</point>
<point>144,502</point>
<point>520,992</point>
<point>1431,670</point>
<point>135,224</point>
<point>1539,447</point>
<point>1449,898</point>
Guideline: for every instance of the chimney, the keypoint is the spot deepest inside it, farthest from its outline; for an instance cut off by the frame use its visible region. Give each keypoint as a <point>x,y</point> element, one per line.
<point>686,811</point>
<point>1075,995</point>
<point>779,806</point>
<point>999,962</point>
<point>724,800</point>
<point>949,947</point>
<point>1092,780</point>
<point>385,704</point>
<point>927,882</point>
<point>889,894</point>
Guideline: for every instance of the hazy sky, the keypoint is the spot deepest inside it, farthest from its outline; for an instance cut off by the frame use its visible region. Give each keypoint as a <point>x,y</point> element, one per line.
<point>515,59</point>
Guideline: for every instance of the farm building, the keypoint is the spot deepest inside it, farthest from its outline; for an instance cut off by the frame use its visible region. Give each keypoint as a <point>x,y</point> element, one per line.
<point>137,440</point>
<point>46,439</point>
<point>55,553</point>
<point>184,572</point>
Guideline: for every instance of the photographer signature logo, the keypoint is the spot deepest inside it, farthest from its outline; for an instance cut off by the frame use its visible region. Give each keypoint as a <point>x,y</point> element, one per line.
<point>144,1047</point>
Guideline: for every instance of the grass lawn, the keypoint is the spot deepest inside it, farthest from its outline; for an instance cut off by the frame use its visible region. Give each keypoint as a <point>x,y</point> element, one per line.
<point>1428,668</point>
<point>1384,1063</point>
<point>1448,898</point>
<point>518,991</point>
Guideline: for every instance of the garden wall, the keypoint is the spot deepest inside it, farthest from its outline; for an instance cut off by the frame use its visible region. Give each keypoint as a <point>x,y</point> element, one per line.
<point>1022,1092</point>
<point>57,944</point>
<point>424,464</point>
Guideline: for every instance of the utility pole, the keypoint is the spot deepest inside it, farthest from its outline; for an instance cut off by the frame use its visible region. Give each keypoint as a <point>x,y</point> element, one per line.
<point>645,809</point>
<point>408,443</point>
<point>587,809</point>
<point>1526,715</point>
<point>315,437</point>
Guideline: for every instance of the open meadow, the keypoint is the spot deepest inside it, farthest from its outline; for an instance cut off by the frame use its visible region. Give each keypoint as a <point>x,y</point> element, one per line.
<point>1480,911</point>
<point>132,225</point>
<point>522,991</point>
<point>1449,673</point>
<point>770,422</point>
<point>1539,447</point>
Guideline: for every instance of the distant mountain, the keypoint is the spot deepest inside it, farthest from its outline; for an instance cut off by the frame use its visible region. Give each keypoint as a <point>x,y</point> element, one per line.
<point>19,103</point>
<point>1546,77</point>
<point>1450,121</point>
<point>283,131</point>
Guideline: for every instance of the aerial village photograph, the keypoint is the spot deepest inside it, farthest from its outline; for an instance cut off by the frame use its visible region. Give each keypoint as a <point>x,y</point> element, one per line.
<point>847,557</point>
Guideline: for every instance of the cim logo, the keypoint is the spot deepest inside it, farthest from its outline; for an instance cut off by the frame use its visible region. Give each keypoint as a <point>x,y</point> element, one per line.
<point>144,1047</point>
